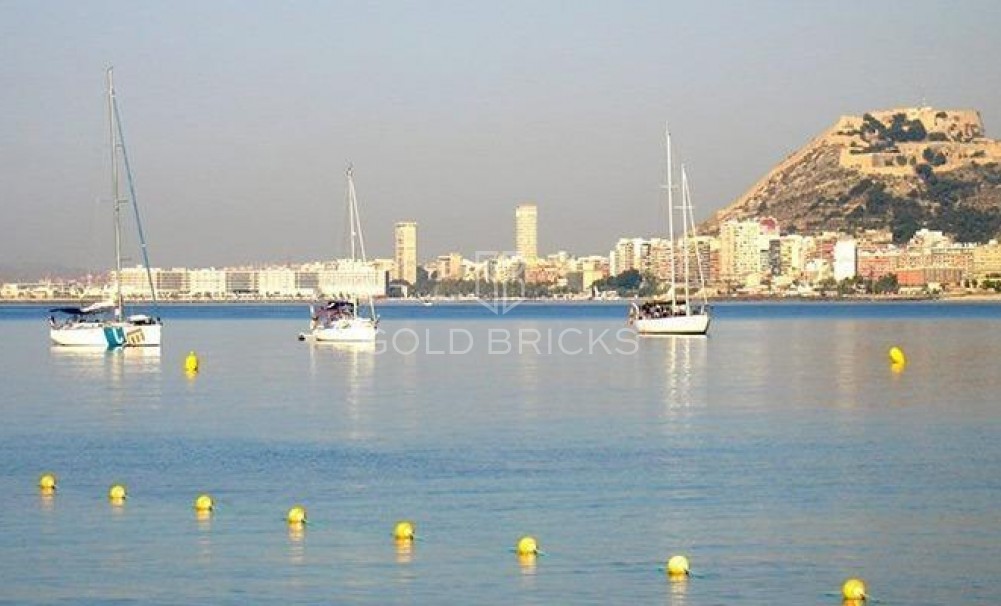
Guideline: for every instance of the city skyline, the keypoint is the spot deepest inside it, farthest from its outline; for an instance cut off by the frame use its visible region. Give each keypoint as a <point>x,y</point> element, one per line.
<point>750,257</point>
<point>451,114</point>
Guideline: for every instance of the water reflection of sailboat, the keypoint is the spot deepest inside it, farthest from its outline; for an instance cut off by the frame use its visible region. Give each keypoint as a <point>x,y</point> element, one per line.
<point>683,364</point>
<point>131,372</point>
<point>108,362</point>
<point>344,348</point>
<point>351,365</point>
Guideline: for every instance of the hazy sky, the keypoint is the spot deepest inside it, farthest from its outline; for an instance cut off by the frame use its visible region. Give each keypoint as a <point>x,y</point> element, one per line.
<point>241,116</point>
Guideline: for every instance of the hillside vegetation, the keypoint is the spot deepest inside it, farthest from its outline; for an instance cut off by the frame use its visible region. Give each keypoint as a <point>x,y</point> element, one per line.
<point>901,170</point>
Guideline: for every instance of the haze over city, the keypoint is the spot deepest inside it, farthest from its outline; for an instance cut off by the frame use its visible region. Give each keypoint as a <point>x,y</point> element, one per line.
<point>241,117</point>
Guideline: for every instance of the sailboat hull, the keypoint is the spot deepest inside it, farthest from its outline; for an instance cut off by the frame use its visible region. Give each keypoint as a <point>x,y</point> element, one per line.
<point>355,330</point>
<point>108,335</point>
<point>697,324</point>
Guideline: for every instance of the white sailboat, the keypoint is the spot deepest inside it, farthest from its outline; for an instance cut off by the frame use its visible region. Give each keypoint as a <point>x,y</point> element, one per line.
<point>676,314</point>
<point>340,321</point>
<point>104,324</point>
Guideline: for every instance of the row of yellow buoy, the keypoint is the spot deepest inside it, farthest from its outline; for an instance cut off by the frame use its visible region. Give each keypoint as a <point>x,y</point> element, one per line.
<point>527,547</point>
<point>897,359</point>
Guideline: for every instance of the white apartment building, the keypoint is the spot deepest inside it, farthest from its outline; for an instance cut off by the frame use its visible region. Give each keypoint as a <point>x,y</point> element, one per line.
<point>277,282</point>
<point>209,282</point>
<point>845,260</point>
<point>345,278</point>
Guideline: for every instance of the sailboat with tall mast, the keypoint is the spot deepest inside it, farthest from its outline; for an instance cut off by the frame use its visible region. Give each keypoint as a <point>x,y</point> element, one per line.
<point>105,324</point>
<point>341,320</point>
<point>676,314</point>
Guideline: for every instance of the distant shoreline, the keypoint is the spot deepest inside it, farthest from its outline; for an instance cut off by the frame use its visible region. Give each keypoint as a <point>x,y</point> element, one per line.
<point>945,298</point>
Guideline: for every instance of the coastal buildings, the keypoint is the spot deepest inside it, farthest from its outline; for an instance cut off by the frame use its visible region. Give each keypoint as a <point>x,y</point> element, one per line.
<point>337,278</point>
<point>987,261</point>
<point>406,251</point>
<point>740,255</point>
<point>749,257</point>
<point>845,260</point>
<point>526,231</point>
<point>449,267</point>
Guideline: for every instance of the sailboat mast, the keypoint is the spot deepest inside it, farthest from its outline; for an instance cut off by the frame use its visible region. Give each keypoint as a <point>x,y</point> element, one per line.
<point>684,230</point>
<point>695,244</point>
<point>356,231</point>
<point>133,200</point>
<point>670,210</point>
<point>356,226</point>
<point>351,209</point>
<point>115,196</point>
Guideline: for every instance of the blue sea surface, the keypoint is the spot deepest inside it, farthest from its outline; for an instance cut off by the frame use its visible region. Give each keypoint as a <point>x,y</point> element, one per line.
<point>781,455</point>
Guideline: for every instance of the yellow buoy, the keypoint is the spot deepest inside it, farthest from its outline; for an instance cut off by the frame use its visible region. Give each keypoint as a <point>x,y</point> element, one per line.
<point>297,515</point>
<point>527,546</point>
<point>47,481</point>
<point>191,362</point>
<point>853,589</point>
<point>404,531</point>
<point>897,356</point>
<point>677,566</point>
<point>117,492</point>
<point>204,503</point>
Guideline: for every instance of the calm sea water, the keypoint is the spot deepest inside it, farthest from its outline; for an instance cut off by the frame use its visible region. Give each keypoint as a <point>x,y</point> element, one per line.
<point>781,455</point>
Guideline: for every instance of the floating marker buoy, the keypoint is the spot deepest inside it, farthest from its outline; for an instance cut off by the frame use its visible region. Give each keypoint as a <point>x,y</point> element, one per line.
<point>204,503</point>
<point>677,566</point>
<point>897,356</point>
<point>297,515</point>
<point>853,589</point>
<point>47,481</point>
<point>117,492</point>
<point>404,531</point>
<point>527,546</point>
<point>191,363</point>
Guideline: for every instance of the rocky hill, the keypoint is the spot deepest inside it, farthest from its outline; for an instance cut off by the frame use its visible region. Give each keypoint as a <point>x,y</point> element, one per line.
<point>899,169</point>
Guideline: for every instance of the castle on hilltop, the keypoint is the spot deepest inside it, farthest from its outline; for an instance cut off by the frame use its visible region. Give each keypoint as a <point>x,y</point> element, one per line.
<point>893,142</point>
<point>900,169</point>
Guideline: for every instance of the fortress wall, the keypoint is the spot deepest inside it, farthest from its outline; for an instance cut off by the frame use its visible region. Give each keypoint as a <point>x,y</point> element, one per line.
<point>966,144</point>
<point>963,127</point>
